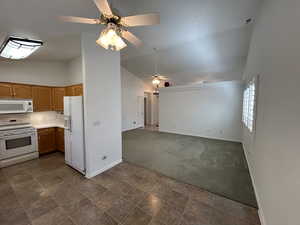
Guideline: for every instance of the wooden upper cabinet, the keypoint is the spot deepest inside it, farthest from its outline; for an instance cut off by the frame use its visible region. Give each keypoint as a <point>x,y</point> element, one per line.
<point>74,90</point>
<point>69,91</point>
<point>42,98</point>
<point>58,98</point>
<point>6,90</point>
<point>78,90</point>
<point>22,91</point>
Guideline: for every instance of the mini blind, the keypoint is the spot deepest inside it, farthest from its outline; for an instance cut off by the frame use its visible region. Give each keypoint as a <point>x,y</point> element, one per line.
<point>249,105</point>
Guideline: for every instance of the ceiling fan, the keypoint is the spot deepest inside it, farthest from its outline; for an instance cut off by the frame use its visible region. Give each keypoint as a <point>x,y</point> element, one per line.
<point>116,26</point>
<point>157,78</point>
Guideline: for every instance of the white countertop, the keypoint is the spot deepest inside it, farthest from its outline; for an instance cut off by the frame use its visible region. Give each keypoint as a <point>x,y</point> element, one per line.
<point>49,125</point>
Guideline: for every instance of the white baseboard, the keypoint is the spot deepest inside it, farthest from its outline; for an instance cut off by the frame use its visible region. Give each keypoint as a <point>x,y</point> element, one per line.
<point>260,210</point>
<point>203,136</point>
<point>132,128</point>
<point>97,172</point>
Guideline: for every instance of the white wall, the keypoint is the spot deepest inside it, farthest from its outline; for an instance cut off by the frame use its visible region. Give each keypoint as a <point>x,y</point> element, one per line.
<point>273,153</point>
<point>102,105</point>
<point>209,110</point>
<point>155,109</point>
<point>74,68</point>
<point>50,73</point>
<point>132,89</point>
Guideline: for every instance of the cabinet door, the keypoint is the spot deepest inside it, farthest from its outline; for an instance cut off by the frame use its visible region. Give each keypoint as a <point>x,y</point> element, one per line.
<point>69,91</point>
<point>78,90</point>
<point>60,139</point>
<point>6,90</point>
<point>46,140</point>
<point>58,99</point>
<point>42,98</point>
<point>22,91</point>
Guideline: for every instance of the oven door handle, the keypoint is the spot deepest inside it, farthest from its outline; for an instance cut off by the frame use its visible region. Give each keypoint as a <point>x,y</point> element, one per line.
<point>16,136</point>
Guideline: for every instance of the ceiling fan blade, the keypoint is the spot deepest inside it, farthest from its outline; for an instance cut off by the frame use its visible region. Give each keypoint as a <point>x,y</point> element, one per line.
<point>104,7</point>
<point>131,38</point>
<point>163,78</point>
<point>140,20</point>
<point>74,19</point>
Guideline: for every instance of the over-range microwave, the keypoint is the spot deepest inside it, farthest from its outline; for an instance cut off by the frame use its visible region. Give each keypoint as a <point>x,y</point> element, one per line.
<point>15,106</point>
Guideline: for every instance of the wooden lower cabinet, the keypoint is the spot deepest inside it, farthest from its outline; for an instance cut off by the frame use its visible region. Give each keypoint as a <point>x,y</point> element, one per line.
<point>46,140</point>
<point>51,139</point>
<point>60,139</point>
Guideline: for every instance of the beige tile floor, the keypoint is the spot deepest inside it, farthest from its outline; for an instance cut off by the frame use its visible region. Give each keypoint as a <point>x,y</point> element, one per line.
<point>47,192</point>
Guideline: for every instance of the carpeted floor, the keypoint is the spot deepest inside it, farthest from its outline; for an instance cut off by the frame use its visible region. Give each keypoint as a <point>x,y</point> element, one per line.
<point>217,166</point>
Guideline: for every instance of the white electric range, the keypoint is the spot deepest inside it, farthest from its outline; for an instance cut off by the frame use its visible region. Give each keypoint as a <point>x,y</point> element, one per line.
<point>18,143</point>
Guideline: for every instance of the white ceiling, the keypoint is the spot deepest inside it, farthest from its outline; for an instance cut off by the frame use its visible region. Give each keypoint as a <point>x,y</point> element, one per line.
<point>197,39</point>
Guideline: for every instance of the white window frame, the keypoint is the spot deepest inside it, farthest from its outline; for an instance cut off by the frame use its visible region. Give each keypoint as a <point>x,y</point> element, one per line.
<point>249,104</point>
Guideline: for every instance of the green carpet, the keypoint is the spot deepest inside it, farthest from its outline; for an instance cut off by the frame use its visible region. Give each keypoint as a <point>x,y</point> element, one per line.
<point>217,166</point>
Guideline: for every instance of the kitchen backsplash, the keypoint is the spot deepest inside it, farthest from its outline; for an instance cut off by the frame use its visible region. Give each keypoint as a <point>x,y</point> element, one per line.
<point>35,118</point>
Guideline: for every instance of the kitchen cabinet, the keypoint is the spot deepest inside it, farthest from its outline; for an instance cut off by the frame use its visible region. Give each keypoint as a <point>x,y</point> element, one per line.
<point>22,91</point>
<point>58,94</point>
<point>46,140</point>
<point>42,98</point>
<point>74,90</point>
<point>78,90</point>
<point>60,139</point>
<point>6,90</point>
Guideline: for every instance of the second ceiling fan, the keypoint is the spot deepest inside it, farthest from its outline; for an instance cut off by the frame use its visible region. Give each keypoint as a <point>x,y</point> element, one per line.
<point>116,26</point>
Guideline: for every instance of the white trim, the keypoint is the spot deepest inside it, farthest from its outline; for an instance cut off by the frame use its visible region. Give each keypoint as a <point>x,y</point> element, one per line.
<point>97,172</point>
<point>203,136</point>
<point>132,128</point>
<point>193,87</point>
<point>260,209</point>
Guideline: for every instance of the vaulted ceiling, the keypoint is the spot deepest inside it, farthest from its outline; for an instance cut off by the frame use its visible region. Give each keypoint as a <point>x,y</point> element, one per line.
<point>197,40</point>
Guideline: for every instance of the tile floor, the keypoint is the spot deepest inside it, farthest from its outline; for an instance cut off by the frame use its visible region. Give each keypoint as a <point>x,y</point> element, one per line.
<point>47,192</point>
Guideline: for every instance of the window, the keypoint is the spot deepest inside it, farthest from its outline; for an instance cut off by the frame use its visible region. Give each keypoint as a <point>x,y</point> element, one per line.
<point>249,105</point>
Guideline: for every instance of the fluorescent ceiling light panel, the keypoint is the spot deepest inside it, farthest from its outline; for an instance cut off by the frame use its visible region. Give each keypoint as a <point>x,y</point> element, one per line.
<point>18,48</point>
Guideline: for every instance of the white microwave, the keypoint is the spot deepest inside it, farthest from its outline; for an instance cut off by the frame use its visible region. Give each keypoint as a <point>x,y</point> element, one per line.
<point>15,106</point>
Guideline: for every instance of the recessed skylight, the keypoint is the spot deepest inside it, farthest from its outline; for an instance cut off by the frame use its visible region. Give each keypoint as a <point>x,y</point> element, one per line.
<point>18,48</point>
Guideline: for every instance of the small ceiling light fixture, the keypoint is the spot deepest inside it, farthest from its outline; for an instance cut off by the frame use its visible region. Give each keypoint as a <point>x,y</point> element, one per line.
<point>19,48</point>
<point>110,38</point>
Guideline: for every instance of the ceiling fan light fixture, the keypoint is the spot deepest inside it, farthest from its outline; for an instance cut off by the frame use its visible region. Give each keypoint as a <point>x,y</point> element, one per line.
<point>156,81</point>
<point>110,39</point>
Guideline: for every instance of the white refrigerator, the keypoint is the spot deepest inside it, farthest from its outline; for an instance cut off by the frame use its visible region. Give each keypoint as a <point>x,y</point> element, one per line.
<point>74,133</point>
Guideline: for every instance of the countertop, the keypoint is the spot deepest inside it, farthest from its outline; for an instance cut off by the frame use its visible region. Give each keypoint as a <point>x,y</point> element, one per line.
<point>49,125</point>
